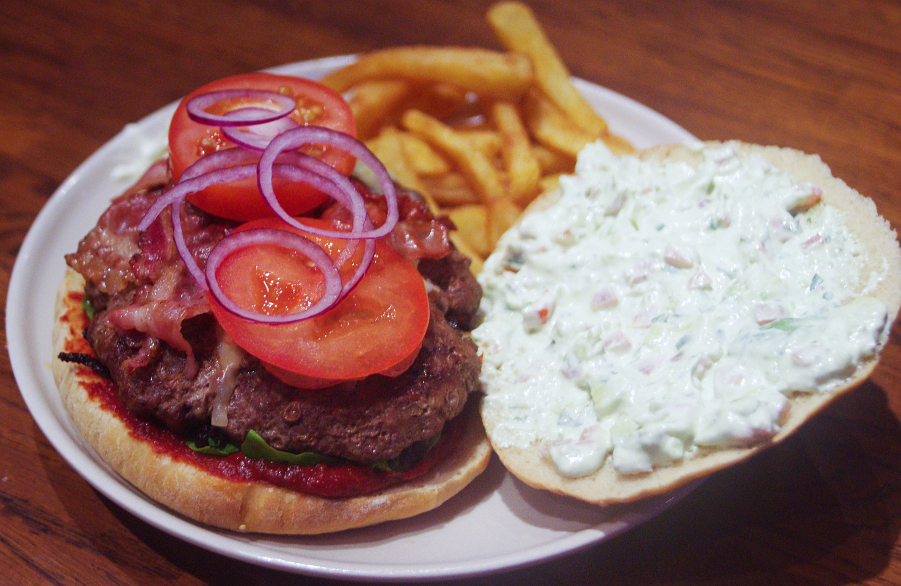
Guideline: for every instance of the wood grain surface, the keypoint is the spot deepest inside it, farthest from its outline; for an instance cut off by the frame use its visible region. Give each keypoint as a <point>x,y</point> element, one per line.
<point>820,76</point>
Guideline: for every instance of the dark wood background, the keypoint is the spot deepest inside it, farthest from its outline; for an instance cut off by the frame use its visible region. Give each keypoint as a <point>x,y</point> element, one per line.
<point>823,508</point>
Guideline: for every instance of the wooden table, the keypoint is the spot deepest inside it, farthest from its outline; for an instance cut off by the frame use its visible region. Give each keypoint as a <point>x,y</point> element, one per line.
<point>822,76</point>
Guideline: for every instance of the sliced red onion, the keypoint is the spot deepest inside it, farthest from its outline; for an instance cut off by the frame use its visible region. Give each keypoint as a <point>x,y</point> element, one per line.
<point>365,262</point>
<point>285,239</point>
<point>293,140</point>
<point>342,190</point>
<point>204,174</point>
<point>214,168</point>
<point>186,187</point>
<point>178,192</point>
<point>258,136</point>
<point>219,159</point>
<point>345,193</point>
<point>279,158</point>
<point>310,170</point>
<point>196,107</point>
<point>179,237</point>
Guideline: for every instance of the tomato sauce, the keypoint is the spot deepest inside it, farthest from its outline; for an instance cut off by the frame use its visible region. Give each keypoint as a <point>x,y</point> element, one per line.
<point>325,479</point>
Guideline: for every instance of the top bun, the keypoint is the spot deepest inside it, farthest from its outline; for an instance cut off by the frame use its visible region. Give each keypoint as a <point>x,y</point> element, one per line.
<point>874,273</point>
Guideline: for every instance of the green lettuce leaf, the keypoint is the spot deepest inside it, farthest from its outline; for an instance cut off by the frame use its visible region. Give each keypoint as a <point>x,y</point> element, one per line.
<point>255,446</point>
<point>87,307</point>
<point>213,447</point>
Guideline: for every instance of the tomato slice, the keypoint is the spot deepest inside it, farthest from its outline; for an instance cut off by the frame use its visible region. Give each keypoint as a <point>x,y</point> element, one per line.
<point>377,328</point>
<point>241,200</point>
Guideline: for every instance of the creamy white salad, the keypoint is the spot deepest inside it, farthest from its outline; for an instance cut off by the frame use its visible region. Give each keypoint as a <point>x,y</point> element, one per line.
<point>658,308</point>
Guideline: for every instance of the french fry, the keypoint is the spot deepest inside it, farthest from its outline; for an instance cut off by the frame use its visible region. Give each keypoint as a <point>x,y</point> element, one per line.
<point>389,149</point>
<point>617,144</point>
<point>550,182</point>
<point>523,169</point>
<point>518,30</point>
<point>502,214</point>
<point>486,140</point>
<point>483,71</point>
<point>478,133</point>
<point>552,161</point>
<point>422,157</point>
<point>472,225</point>
<point>473,164</point>
<point>373,101</point>
<point>441,100</point>
<point>450,189</point>
<point>550,127</point>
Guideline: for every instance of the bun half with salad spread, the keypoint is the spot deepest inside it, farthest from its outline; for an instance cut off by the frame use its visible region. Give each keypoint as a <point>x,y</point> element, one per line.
<point>260,341</point>
<point>667,314</point>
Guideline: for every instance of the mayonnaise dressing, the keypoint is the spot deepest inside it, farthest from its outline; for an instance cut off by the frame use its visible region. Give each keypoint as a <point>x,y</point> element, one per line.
<point>656,308</point>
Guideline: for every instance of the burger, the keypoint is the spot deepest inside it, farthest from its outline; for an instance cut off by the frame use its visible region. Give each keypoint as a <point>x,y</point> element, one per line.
<point>263,339</point>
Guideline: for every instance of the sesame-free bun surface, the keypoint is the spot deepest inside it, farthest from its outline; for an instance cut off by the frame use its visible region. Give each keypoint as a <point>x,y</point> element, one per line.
<point>241,506</point>
<point>882,255</point>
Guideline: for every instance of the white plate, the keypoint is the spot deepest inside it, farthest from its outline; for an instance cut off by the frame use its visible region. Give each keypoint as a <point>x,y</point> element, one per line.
<point>497,523</point>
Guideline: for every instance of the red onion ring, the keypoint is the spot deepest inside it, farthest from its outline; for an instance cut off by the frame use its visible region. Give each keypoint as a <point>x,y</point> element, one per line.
<point>365,262</point>
<point>258,136</point>
<point>196,107</point>
<point>310,170</point>
<point>346,194</point>
<point>186,187</point>
<point>293,140</point>
<point>217,160</point>
<point>258,155</point>
<point>207,280</point>
<point>235,164</point>
<point>197,178</point>
<point>285,239</point>
<point>343,192</point>
<point>179,237</point>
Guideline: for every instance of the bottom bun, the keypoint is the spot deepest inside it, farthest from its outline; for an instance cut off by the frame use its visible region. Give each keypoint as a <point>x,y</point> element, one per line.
<point>241,505</point>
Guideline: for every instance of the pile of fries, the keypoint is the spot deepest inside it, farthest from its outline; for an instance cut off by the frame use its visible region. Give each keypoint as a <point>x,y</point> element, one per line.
<point>479,133</point>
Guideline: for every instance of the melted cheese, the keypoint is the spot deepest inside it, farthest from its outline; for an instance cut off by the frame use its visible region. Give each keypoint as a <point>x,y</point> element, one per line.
<point>229,357</point>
